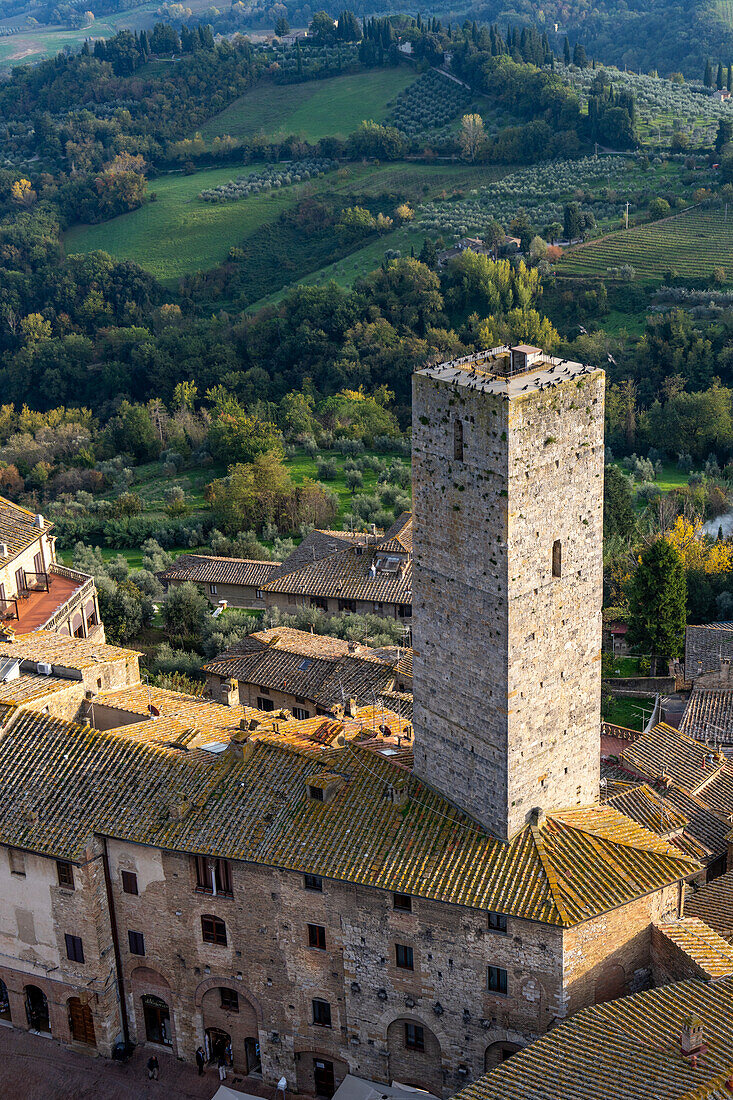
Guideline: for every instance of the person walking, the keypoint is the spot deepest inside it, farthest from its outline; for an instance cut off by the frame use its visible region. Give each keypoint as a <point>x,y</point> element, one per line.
<point>201,1060</point>
<point>222,1066</point>
<point>153,1068</point>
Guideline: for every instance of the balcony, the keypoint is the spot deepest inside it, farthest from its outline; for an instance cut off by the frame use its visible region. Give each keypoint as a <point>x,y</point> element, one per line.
<point>50,599</point>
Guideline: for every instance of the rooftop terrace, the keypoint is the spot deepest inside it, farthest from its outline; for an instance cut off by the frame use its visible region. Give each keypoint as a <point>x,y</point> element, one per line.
<point>507,371</point>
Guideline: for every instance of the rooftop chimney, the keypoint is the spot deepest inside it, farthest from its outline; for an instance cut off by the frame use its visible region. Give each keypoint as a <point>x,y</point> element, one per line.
<point>4,551</point>
<point>691,1038</point>
<point>39,522</point>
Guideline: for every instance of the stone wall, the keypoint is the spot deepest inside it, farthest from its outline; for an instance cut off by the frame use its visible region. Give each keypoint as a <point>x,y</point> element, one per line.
<point>670,963</point>
<point>704,647</point>
<point>524,646</point>
<point>611,955</point>
<point>236,595</point>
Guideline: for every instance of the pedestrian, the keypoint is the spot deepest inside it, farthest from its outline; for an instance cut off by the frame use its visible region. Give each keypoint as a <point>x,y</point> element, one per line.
<point>201,1060</point>
<point>222,1066</point>
<point>153,1068</point>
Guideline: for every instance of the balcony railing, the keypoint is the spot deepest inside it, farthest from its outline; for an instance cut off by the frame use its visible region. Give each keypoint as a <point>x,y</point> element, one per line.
<point>8,610</point>
<point>35,582</point>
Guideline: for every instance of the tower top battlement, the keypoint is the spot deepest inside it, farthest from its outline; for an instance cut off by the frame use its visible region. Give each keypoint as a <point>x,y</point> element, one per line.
<point>507,371</point>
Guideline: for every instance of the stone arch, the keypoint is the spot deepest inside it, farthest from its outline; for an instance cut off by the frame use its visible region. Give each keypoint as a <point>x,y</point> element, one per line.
<point>391,1014</point>
<point>415,1056</point>
<point>499,1052</point>
<point>37,1009</point>
<point>153,1014</point>
<point>214,983</point>
<point>226,1012</point>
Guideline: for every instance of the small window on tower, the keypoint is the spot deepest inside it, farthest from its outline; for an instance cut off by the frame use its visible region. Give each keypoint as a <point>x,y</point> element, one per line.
<point>458,440</point>
<point>557,558</point>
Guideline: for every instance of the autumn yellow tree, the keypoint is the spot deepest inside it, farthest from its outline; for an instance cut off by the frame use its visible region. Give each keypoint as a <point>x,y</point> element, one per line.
<point>22,192</point>
<point>699,554</point>
<point>473,137</point>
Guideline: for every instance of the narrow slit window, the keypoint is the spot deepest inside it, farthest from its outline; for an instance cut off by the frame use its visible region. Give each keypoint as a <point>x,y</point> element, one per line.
<point>557,558</point>
<point>458,440</point>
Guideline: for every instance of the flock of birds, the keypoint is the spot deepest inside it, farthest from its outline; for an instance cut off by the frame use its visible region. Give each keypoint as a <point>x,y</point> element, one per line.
<point>479,379</point>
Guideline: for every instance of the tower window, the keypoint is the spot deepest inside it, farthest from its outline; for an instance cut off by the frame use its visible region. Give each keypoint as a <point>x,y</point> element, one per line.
<point>458,440</point>
<point>557,558</point>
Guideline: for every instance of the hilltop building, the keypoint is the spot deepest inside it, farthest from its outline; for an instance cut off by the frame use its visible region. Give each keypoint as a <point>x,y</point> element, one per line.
<point>36,591</point>
<point>342,894</point>
<point>236,582</point>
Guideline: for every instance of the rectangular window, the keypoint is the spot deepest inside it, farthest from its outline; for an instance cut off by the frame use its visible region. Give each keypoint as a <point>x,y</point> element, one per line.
<point>347,605</point>
<point>229,999</point>
<point>497,980</point>
<point>38,562</point>
<point>301,713</point>
<point>321,1013</point>
<point>65,874</point>
<point>402,902</point>
<point>317,936</point>
<point>19,580</point>
<point>213,930</point>
<point>313,882</point>
<point>458,440</point>
<point>414,1037</point>
<point>264,704</point>
<point>74,948</point>
<point>497,922</point>
<point>404,610</point>
<point>316,793</point>
<point>213,876</point>
<point>17,861</point>
<point>404,957</point>
<point>264,690</point>
<point>212,589</point>
<point>557,558</point>
<point>129,882</point>
<point>291,600</point>
<point>136,941</point>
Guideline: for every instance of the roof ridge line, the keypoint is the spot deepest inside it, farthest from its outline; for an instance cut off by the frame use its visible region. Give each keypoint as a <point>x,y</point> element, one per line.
<point>550,875</point>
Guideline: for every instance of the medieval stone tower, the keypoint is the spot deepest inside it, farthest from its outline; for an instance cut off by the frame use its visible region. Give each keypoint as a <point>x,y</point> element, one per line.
<point>507,583</point>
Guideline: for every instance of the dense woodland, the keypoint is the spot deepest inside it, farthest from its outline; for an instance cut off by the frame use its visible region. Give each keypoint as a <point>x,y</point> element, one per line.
<point>106,372</point>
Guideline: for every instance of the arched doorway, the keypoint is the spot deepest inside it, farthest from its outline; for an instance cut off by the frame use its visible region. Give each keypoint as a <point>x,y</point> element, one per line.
<point>414,1055</point>
<point>4,1002</point>
<point>157,1017</point>
<point>81,1022</point>
<point>226,1011</point>
<point>319,1074</point>
<point>498,1053</point>
<point>218,1042</point>
<point>36,1009</point>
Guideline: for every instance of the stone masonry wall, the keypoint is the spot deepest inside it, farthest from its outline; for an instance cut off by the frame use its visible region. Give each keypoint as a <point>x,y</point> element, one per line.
<point>269,963</point>
<point>524,646</point>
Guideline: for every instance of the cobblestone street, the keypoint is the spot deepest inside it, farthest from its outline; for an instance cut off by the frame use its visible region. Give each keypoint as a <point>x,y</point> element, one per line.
<point>37,1068</point>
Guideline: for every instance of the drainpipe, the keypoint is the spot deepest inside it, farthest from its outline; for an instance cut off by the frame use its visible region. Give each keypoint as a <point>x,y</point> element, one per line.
<point>115,943</point>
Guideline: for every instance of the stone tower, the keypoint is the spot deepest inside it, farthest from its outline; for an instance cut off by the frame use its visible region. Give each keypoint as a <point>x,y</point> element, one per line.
<point>507,583</point>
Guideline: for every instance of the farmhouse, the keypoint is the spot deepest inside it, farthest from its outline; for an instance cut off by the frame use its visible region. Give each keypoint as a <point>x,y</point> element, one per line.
<point>374,575</point>
<point>236,581</point>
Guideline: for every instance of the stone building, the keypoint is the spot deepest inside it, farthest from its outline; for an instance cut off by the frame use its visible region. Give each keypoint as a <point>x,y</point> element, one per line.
<point>36,591</point>
<point>706,647</point>
<point>307,674</point>
<point>371,576</point>
<point>307,898</point>
<point>235,581</point>
<point>508,513</point>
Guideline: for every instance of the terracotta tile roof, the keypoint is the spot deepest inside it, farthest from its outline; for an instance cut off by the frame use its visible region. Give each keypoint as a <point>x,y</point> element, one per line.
<point>62,651</point>
<point>320,544</point>
<point>29,686</point>
<point>348,574</point>
<point>399,536</point>
<point>211,570</point>
<point>665,751</point>
<point>326,680</point>
<point>701,944</point>
<point>17,529</point>
<point>704,825</point>
<point>709,715</point>
<point>647,808</point>
<point>628,1048</point>
<point>299,641</point>
<point>713,903</point>
<point>61,782</point>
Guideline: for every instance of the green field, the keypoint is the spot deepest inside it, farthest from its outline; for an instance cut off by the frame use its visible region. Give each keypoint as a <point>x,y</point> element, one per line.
<point>631,713</point>
<point>692,244</point>
<point>179,234</point>
<point>319,108</point>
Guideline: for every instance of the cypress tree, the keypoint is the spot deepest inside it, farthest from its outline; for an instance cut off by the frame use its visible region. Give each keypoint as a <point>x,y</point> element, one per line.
<point>729,82</point>
<point>566,51</point>
<point>708,78</point>
<point>719,77</point>
<point>658,601</point>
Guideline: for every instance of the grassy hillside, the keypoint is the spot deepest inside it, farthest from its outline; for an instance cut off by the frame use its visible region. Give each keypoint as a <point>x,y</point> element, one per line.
<point>321,108</point>
<point>692,244</point>
<point>179,234</point>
